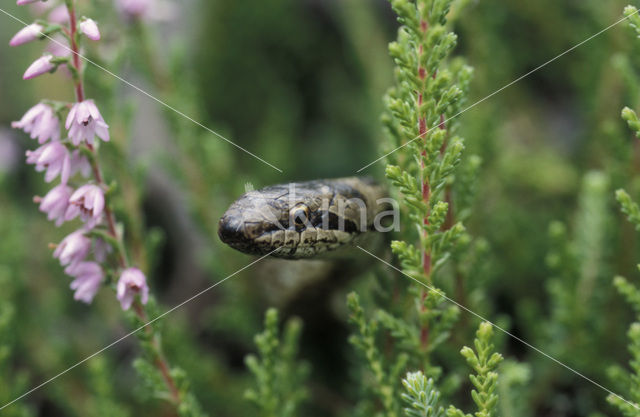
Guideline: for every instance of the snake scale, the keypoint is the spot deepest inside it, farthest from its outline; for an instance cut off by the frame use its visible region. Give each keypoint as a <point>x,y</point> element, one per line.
<point>304,219</point>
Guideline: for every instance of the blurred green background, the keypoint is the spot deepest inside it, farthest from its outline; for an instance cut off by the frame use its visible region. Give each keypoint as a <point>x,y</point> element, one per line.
<point>300,83</point>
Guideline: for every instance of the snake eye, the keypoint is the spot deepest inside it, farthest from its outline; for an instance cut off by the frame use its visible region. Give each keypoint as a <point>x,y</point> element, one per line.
<point>299,215</point>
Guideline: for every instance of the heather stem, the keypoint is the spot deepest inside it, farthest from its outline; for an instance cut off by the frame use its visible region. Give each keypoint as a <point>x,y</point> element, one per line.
<point>426,191</point>
<point>159,359</point>
<point>75,50</point>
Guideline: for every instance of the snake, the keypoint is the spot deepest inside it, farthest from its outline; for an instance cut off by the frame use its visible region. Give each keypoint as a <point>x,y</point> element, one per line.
<point>302,220</point>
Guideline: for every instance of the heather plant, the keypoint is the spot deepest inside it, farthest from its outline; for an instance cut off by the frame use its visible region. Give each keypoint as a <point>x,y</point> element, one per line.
<point>94,255</point>
<point>425,154</point>
<point>279,376</point>
<point>578,291</point>
<point>629,379</point>
<point>423,397</point>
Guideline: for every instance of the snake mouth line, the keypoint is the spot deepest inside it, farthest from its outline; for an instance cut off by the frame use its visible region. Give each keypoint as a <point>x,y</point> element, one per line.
<point>260,238</point>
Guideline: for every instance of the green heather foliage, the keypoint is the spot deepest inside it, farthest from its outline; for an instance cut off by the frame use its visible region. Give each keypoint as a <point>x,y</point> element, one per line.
<point>12,384</point>
<point>423,397</point>
<point>484,362</point>
<point>628,401</point>
<point>579,289</point>
<point>429,90</point>
<point>280,377</point>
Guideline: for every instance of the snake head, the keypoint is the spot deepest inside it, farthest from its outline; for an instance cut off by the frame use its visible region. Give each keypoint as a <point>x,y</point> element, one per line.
<point>300,220</point>
<point>251,216</point>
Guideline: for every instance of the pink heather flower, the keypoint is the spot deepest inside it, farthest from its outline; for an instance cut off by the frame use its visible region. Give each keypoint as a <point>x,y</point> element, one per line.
<point>80,164</point>
<point>84,122</point>
<point>134,9</point>
<point>73,249</point>
<point>58,47</point>
<point>88,202</point>
<point>52,157</point>
<point>27,34</point>
<point>40,66</point>
<point>40,122</point>
<point>59,15</point>
<point>90,28</point>
<point>56,203</point>
<point>88,277</point>
<point>132,282</point>
<point>101,250</point>
<point>23,2</point>
<point>40,7</point>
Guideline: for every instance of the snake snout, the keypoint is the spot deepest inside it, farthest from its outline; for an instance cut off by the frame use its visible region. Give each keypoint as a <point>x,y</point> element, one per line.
<point>231,231</point>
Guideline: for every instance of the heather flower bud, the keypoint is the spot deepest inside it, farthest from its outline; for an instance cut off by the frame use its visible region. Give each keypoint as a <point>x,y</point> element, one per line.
<point>59,15</point>
<point>40,66</point>
<point>90,29</point>
<point>27,34</point>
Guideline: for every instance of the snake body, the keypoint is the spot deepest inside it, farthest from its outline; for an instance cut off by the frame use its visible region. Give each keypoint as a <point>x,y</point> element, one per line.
<point>303,219</point>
